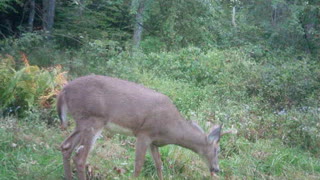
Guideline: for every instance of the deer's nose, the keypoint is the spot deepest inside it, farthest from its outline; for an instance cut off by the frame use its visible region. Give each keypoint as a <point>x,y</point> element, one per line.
<point>215,170</point>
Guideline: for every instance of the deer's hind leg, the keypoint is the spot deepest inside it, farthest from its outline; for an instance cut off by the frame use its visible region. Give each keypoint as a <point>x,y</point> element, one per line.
<point>81,141</point>
<point>67,148</point>
<point>89,134</point>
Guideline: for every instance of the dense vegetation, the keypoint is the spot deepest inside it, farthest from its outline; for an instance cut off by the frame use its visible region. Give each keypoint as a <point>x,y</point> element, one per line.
<point>251,65</point>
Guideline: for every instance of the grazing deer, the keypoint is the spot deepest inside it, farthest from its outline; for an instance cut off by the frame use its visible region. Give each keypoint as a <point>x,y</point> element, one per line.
<point>98,102</point>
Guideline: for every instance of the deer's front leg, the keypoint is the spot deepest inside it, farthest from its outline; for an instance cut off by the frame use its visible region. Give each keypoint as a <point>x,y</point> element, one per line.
<point>157,160</point>
<point>142,145</point>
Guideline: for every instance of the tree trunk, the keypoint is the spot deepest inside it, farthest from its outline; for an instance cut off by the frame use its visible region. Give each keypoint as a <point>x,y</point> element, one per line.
<point>48,15</point>
<point>81,7</point>
<point>31,15</point>
<point>44,14</point>
<point>274,16</point>
<point>308,36</point>
<point>234,16</point>
<point>138,29</point>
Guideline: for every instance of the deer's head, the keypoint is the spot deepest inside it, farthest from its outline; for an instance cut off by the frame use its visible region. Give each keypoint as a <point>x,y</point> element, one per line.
<point>210,147</point>
<point>212,151</point>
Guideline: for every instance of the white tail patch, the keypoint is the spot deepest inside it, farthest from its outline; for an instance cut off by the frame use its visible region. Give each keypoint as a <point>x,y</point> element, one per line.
<point>63,115</point>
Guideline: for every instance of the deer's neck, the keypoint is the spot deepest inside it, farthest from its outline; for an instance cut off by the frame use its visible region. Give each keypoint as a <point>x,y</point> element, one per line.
<point>189,137</point>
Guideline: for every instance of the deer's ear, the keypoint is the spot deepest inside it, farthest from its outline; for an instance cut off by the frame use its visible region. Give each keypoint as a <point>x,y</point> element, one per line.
<point>215,134</point>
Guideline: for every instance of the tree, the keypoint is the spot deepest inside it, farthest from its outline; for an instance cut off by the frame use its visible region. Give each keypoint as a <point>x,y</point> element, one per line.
<point>31,15</point>
<point>48,15</point>
<point>6,5</point>
<point>138,23</point>
<point>180,23</point>
<point>309,19</point>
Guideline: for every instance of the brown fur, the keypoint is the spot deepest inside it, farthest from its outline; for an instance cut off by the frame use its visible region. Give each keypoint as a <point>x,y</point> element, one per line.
<point>98,101</point>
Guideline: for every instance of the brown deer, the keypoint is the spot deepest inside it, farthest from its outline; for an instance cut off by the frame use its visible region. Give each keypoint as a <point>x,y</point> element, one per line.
<point>120,106</point>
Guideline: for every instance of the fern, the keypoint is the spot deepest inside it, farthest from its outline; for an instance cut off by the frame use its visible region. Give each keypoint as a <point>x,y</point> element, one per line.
<point>29,87</point>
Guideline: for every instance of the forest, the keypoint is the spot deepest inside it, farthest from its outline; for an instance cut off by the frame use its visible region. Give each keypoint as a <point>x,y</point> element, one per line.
<point>251,65</point>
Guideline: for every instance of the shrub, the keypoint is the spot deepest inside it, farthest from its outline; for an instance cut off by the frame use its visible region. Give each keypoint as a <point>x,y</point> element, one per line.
<point>286,84</point>
<point>152,45</point>
<point>26,42</point>
<point>29,87</point>
<point>188,65</point>
<point>279,83</point>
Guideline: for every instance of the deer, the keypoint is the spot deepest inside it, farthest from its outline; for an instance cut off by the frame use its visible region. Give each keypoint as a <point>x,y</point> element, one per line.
<point>100,102</point>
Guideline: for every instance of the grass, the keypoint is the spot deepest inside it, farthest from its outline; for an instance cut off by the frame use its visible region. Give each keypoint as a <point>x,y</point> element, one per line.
<point>31,151</point>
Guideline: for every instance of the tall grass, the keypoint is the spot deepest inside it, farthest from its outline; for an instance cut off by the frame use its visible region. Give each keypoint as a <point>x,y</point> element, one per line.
<point>31,151</point>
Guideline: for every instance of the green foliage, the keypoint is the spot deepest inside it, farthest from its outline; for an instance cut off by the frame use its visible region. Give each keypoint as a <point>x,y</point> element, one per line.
<point>28,87</point>
<point>180,24</point>
<point>6,73</point>
<point>268,159</point>
<point>261,76</point>
<point>185,96</point>
<point>93,20</point>
<point>276,24</point>
<point>6,5</point>
<point>301,129</point>
<point>237,91</point>
<point>28,151</point>
<point>188,65</point>
<point>26,43</point>
<point>264,99</point>
<point>287,83</point>
<point>280,84</point>
<point>152,44</point>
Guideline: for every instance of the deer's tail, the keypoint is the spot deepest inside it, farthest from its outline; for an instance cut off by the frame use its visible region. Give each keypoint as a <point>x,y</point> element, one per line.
<point>62,109</point>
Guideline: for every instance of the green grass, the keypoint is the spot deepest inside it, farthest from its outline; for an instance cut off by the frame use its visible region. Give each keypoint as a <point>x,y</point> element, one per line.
<point>30,150</point>
<point>269,159</point>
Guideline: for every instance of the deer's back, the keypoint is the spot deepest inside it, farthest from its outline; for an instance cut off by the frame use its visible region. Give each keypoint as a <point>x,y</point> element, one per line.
<point>121,102</point>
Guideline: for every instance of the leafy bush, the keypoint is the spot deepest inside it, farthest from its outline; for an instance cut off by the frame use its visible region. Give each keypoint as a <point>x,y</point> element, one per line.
<point>26,42</point>
<point>300,128</point>
<point>236,91</point>
<point>279,83</point>
<point>188,65</point>
<point>152,44</point>
<point>285,84</point>
<point>6,73</point>
<point>29,87</point>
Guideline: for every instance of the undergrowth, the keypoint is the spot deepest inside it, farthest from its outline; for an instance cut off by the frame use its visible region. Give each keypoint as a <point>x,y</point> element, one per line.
<point>274,104</point>
<point>31,151</point>
<point>29,87</point>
